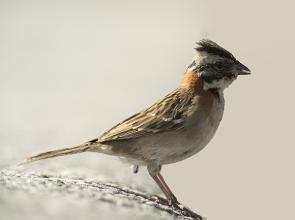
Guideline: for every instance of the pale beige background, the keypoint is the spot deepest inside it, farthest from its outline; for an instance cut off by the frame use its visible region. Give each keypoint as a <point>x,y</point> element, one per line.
<point>71,69</point>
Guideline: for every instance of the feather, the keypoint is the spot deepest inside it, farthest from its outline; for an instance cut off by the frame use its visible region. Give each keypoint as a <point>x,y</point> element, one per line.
<point>211,47</point>
<point>154,119</point>
<point>57,153</point>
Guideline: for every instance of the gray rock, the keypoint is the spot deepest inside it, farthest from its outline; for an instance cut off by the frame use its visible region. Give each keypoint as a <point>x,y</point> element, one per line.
<point>32,195</point>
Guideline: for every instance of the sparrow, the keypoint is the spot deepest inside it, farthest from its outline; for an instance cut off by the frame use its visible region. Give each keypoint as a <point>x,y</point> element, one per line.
<point>176,127</point>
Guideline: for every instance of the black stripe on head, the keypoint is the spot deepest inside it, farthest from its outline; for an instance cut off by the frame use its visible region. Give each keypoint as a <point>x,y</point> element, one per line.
<point>213,48</point>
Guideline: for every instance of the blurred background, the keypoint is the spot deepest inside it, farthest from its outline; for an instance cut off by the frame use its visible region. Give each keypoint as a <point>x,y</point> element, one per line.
<point>69,70</point>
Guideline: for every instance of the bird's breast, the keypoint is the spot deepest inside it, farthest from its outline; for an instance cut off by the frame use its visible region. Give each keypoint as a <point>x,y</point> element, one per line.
<point>199,130</point>
<point>199,127</point>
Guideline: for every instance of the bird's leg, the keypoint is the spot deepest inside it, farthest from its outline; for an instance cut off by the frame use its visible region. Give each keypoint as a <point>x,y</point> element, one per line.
<point>172,200</point>
<point>154,171</point>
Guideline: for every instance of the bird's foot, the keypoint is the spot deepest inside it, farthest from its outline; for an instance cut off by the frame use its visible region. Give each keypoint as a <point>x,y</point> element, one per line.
<point>159,199</point>
<point>177,206</point>
<point>185,211</point>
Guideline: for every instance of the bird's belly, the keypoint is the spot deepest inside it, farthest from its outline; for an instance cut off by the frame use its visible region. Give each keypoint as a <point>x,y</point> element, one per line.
<point>174,146</point>
<point>195,141</point>
<point>187,144</point>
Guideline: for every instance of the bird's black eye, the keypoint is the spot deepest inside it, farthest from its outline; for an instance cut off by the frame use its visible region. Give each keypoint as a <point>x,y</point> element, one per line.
<point>219,66</point>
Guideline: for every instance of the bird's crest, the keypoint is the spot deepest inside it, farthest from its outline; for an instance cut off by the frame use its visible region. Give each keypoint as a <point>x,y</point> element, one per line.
<point>213,48</point>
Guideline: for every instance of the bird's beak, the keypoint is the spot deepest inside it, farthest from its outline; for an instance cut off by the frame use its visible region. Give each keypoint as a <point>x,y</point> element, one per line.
<point>242,69</point>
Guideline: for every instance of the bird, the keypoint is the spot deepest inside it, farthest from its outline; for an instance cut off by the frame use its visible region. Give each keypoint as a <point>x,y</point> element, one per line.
<point>176,127</point>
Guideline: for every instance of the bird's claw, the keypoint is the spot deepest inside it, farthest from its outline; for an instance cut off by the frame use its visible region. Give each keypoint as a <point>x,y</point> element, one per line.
<point>159,199</point>
<point>186,211</point>
<point>175,205</point>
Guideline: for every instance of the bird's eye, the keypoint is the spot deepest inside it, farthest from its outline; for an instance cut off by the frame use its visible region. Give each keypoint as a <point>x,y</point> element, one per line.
<point>219,66</point>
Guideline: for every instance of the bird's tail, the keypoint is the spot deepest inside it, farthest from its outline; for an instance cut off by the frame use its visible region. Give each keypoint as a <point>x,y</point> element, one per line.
<point>57,153</point>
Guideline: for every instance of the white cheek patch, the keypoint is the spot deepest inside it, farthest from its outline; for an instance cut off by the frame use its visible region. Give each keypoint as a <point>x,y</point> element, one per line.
<point>218,84</point>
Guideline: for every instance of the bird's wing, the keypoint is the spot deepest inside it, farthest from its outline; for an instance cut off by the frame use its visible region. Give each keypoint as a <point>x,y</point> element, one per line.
<point>167,114</point>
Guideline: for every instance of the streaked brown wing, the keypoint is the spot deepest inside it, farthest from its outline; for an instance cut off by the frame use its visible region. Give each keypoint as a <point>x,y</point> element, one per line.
<point>167,114</point>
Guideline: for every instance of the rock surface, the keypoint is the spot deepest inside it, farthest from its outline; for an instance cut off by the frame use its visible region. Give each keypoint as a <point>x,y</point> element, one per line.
<point>32,195</point>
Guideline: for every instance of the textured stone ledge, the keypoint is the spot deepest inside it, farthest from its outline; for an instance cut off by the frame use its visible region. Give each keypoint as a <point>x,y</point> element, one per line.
<point>108,198</point>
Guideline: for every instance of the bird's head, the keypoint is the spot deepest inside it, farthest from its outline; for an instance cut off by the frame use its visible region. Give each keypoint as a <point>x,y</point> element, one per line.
<point>217,67</point>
